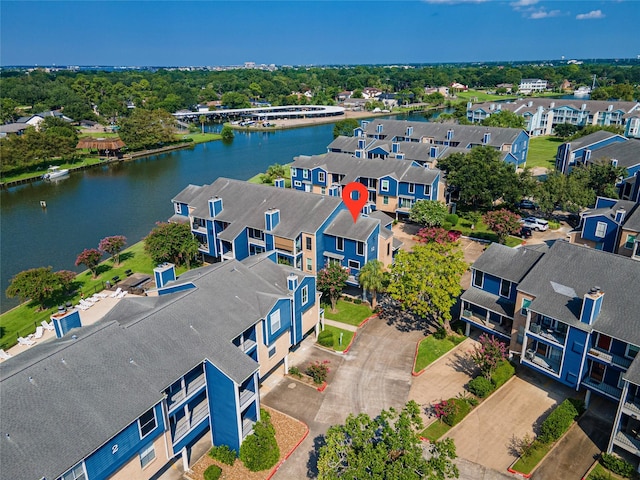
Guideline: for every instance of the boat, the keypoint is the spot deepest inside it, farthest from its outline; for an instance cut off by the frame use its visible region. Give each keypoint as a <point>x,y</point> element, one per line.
<point>582,91</point>
<point>55,172</point>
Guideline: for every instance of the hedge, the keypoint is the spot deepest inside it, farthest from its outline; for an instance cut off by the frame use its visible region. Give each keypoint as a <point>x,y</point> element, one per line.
<point>260,450</point>
<point>557,422</point>
<point>480,386</point>
<point>617,465</point>
<point>461,411</point>
<point>325,338</point>
<point>503,372</point>
<point>212,472</point>
<point>224,454</point>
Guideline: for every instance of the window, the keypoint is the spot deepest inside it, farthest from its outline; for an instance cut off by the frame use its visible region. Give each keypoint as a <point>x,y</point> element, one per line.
<point>388,249</point>
<point>76,473</point>
<point>385,200</point>
<point>294,171</point>
<point>297,183</point>
<point>305,173</point>
<point>305,294</point>
<point>177,208</point>
<point>309,264</point>
<point>505,288</point>
<point>272,351</point>
<point>478,278</point>
<point>604,342</point>
<point>354,264</point>
<point>340,244</point>
<point>323,190</point>
<point>601,229</point>
<point>631,351</point>
<point>321,177</point>
<point>255,233</point>
<point>274,321</point>
<point>384,185</point>
<point>360,248</point>
<point>427,188</point>
<point>412,188</point>
<point>525,306</point>
<point>308,243</point>
<point>631,239</point>
<point>147,456</point>
<point>147,423</point>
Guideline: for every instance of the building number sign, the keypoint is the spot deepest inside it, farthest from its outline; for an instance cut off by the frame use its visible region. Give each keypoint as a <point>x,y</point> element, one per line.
<point>114,449</point>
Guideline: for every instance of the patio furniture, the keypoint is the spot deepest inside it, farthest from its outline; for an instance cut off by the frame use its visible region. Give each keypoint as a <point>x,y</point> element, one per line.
<point>116,293</point>
<point>48,325</point>
<point>39,332</point>
<point>4,355</point>
<point>25,342</point>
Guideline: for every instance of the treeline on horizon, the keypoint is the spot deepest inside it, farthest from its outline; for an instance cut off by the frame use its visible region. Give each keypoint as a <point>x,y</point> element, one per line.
<point>81,94</point>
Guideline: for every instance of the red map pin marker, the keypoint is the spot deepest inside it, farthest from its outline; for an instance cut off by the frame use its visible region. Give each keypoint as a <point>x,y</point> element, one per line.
<point>355,204</point>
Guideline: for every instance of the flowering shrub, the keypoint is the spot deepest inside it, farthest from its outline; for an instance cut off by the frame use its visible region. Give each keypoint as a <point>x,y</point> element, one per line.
<point>444,409</point>
<point>438,235</point>
<point>318,371</point>
<point>489,354</point>
<point>452,411</point>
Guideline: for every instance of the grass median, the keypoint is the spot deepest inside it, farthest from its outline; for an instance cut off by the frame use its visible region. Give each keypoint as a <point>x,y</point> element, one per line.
<point>349,313</point>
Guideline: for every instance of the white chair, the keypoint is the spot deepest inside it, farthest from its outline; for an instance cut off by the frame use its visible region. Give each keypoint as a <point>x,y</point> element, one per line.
<point>101,295</point>
<point>82,307</point>
<point>116,293</point>
<point>122,294</point>
<point>4,355</point>
<point>39,332</point>
<point>25,342</point>
<point>48,325</point>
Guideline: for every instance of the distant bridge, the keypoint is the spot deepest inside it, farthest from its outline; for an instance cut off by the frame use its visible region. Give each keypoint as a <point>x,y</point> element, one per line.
<point>265,113</point>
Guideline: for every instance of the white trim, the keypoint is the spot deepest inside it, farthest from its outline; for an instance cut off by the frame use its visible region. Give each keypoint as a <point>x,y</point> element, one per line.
<point>502,280</point>
<point>382,185</point>
<point>358,244</point>
<point>337,247</point>
<point>272,319</point>
<point>304,292</point>
<point>626,351</point>
<point>599,226</point>
<point>324,176</point>
<point>473,280</point>
<point>155,420</point>
<point>146,452</point>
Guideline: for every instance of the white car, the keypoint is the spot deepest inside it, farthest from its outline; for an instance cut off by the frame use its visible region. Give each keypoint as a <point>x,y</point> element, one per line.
<point>535,223</point>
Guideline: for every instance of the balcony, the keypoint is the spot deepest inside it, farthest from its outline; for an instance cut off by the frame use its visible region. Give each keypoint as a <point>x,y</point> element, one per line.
<point>543,362</point>
<point>199,413</point>
<point>193,385</point>
<point>551,334</point>
<point>610,358</point>
<point>247,427</point>
<point>247,345</point>
<point>628,442</point>
<point>245,396</point>
<point>610,391</point>
<point>632,406</point>
<point>197,227</point>
<point>486,322</point>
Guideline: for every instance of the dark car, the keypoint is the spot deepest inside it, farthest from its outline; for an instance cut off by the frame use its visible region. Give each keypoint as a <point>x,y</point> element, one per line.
<point>527,205</point>
<point>525,232</point>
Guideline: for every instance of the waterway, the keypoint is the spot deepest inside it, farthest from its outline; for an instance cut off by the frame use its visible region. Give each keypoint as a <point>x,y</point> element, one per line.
<point>129,198</point>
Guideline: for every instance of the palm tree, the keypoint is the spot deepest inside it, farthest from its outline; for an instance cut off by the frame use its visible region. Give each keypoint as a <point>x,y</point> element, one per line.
<point>372,279</point>
<point>203,119</point>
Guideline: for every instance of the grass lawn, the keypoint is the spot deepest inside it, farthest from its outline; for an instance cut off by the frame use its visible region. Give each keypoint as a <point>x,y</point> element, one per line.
<point>601,473</point>
<point>287,177</point>
<point>346,337</point>
<point>348,312</point>
<point>482,232</point>
<point>23,319</point>
<point>542,152</point>
<point>528,463</point>
<point>430,349</point>
<point>82,133</point>
<point>434,431</point>
<point>200,137</point>
<point>480,96</point>
<point>43,170</point>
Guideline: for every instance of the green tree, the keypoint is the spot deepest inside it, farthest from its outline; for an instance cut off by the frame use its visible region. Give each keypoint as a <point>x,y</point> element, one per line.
<point>113,246</point>
<point>90,258</point>
<point>504,118</point>
<point>38,284</point>
<point>227,133</point>
<point>503,223</point>
<point>235,100</point>
<point>345,127</point>
<point>147,128</point>
<point>273,171</point>
<point>435,98</point>
<point>331,280</point>
<point>171,242</point>
<point>488,354</point>
<point>372,278</point>
<point>427,280</point>
<point>202,119</point>
<point>429,213</point>
<point>260,450</point>
<point>384,447</point>
<point>564,130</point>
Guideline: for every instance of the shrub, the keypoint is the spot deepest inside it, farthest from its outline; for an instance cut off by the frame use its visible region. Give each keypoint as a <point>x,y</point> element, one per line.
<point>480,386</point>
<point>461,411</point>
<point>503,372</point>
<point>446,225</point>
<point>553,225</point>
<point>452,218</point>
<point>357,301</point>
<point>224,454</point>
<point>325,338</point>
<point>617,465</point>
<point>557,422</point>
<point>295,371</point>
<point>318,371</point>
<point>212,472</point>
<point>260,450</point>
<point>440,333</point>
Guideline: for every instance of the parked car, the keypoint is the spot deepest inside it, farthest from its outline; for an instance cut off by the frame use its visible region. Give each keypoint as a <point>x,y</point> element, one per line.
<point>525,232</point>
<point>535,223</point>
<point>527,204</point>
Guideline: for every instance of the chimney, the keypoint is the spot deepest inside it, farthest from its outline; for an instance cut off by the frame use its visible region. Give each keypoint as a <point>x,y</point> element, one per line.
<point>591,305</point>
<point>361,143</point>
<point>433,152</point>
<point>552,104</point>
<point>530,104</point>
<point>449,134</point>
<point>278,182</point>
<point>164,274</point>
<point>271,219</point>
<point>486,138</point>
<point>492,106</point>
<point>379,128</point>
<point>620,214</point>
<point>65,321</point>
<point>409,131</point>
<point>583,107</point>
<point>292,282</point>
<point>215,206</point>
<point>395,147</point>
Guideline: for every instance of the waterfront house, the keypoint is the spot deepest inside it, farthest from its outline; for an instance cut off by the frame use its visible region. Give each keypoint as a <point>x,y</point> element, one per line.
<point>512,143</point>
<point>530,85</point>
<point>235,219</point>
<point>156,376</point>
<point>575,320</point>
<point>394,185</point>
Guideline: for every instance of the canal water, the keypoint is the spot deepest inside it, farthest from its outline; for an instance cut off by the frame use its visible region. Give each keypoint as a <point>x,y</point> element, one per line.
<point>129,198</point>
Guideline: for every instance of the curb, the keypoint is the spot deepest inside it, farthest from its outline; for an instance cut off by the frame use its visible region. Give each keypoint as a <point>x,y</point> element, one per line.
<point>417,374</point>
<point>519,474</point>
<point>322,387</point>
<point>362,324</point>
<point>290,452</point>
<point>346,350</point>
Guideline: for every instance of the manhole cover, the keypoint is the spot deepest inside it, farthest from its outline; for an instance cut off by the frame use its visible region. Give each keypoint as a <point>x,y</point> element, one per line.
<point>292,385</point>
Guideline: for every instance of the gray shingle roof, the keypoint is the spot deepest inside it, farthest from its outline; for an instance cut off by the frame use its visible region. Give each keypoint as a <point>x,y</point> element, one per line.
<point>63,399</point>
<point>592,138</point>
<point>244,205</point>
<point>567,272</point>
<point>509,263</point>
<point>633,221</point>
<point>626,153</point>
<point>633,372</point>
<point>487,300</point>
<point>344,226</point>
<point>610,212</point>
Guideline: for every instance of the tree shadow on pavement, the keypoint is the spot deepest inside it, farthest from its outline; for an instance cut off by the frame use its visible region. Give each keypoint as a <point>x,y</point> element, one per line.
<point>462,362</point>
<point>404,320</point>
<point>312,463</point>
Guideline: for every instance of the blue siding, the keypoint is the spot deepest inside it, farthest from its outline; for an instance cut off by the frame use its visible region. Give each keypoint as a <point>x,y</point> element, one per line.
<point>222,407</point>
<point>315,178</point>
<point>372,244</point>
<point>105,461</point>
<point>393,187</point>
<point>284,306</point>
<point>176,288</point>
<point>241,245</point>
<point>322,240</point>
<point>491,284</point>
<point>300,308</point>
<point>609,240</point>
<point>574,350</point>
<point>522,144</point>
<point>211,239</point>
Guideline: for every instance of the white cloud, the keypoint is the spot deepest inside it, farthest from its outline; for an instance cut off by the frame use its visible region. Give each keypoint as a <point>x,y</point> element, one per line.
<point>523,3</point>
<point>542,13</point>
<point>591,15</point>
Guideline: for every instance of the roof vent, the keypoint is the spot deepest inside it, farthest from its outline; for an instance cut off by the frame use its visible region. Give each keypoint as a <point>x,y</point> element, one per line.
<point>594,290</point>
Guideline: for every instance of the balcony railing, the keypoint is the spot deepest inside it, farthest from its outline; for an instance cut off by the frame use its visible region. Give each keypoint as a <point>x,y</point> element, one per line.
<point>486,322</point>
<point>245,396</point>
<point>198,228</point>
<point>247,345</point>
<point>632,406</point>
<point>610,358</point>
<point>544,362</point>
<point>200,412</point>
<point>628,442</point>
<point>604,388</point>
<point>247,427</point>
<point>548,333</point>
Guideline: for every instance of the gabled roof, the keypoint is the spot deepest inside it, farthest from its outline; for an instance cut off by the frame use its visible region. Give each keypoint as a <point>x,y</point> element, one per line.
<point>632,221</point>
<point>344,226</point>
<point>568,271</point>
<point>592,138</point>
<point>626,153</point>
<point>610,212</point>
<point>511,264</point>
<point>244,205</point>
<point>91,385</point>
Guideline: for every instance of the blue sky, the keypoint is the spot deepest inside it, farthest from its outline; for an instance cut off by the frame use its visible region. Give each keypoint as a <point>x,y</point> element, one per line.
<point>231,32</point>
